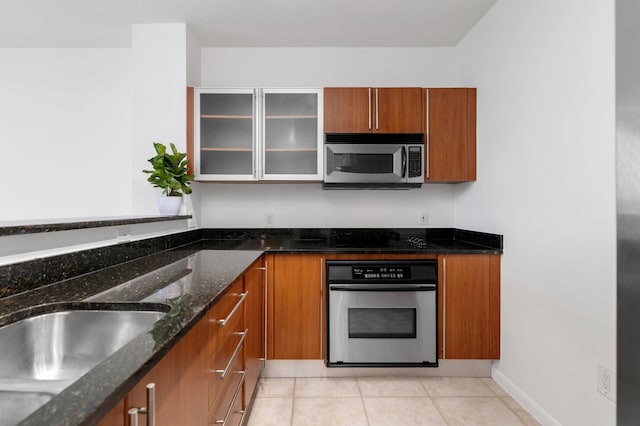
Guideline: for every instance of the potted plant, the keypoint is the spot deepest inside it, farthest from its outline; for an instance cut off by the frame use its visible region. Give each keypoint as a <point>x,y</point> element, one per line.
<point>169,173</point>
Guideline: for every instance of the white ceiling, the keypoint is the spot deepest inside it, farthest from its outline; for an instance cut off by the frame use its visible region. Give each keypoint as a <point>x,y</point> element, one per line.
<point>234,23</point>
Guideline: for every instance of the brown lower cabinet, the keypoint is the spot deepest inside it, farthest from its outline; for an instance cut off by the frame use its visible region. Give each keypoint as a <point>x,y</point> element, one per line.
<point>469,306</point>
<point>211,374</point>
<point>294,293</point>
<point>254,348</point>
<point>189,383</point>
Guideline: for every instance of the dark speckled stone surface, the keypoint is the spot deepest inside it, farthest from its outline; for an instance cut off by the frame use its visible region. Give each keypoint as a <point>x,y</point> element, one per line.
<point>36,226</point>
<point>25,276</point>
<point>188,271</point>
<point>188,279</point>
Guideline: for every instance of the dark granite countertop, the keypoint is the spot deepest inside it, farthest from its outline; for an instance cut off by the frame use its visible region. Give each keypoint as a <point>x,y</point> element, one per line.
<point>187,271</point>
<point>362,241</point>
<point>187,279</point>
<point>65,224</point>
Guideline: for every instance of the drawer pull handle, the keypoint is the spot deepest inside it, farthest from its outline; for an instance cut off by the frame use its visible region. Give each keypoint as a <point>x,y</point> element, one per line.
<point>149,410</point>
<point>223,373</point>
<point>233,402</point>
<point>224,322</point>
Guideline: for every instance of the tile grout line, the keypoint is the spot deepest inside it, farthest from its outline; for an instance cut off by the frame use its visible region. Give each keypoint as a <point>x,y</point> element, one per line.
<point>434,403</point>
<point>364,407</point>
<point>509,408</point>
<point>502,402</point>
<point>293,399</point>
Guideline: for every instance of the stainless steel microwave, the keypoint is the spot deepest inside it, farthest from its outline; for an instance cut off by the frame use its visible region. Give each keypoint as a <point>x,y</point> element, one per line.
<point>373,163</point>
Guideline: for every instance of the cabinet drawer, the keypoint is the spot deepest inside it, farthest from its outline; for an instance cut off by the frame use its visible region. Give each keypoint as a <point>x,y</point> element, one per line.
<point>230,309</point>
<point>222,361</point>
<point>223,405</point>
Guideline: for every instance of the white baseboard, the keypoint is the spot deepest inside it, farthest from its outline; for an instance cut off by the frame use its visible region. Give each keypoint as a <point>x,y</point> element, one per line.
<point>523,399</point>
<point>317,368</point>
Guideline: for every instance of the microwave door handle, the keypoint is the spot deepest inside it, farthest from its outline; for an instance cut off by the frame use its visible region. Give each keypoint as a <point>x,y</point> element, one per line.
<point>404,161</point>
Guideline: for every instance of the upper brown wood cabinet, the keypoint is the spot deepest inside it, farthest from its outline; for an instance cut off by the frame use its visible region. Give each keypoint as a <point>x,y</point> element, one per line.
<point>450,129</point>
<point>373,110</point>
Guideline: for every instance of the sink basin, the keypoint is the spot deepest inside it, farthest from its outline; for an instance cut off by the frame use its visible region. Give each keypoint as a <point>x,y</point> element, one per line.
<point>43,354</point>
<point>15,406</point>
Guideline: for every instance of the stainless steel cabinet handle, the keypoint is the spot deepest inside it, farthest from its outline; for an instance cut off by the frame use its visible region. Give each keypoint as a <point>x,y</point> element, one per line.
<point>223,373</point>
<point>266,318</point>
<point>444,308</point>
<point>233,401</point>
<point>426,154</point>
<point>224,322</point>
<point>149,410</point>
<point>369,108</point>
<point>377,109</point>
<point>321,303</point>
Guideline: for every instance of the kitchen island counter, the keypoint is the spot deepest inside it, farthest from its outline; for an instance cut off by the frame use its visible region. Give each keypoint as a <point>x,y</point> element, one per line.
<point>188,279</point>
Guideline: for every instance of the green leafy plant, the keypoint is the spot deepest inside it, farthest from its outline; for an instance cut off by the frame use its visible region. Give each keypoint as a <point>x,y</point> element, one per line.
<point>170,171</point>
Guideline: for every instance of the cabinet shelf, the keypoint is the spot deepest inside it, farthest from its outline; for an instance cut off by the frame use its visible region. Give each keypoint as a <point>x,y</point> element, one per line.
<point>228,149</point>
<point>291,150</point>
<point>289,117</point>
<point>233,117</point>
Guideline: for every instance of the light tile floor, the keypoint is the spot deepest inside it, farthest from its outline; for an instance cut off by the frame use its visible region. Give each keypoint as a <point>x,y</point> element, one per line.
<point>385,401</point>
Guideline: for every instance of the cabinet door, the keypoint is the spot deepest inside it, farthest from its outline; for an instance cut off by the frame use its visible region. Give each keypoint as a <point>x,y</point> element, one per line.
<point>291,134</point>
<point>165,375</point>
<point>348,110</point>
<point>115,417</point>
<point>180,380</point>
<point>254,283</point>
<point>469,305</point>
<point>451,135</point>
<point>398,110</point>
<point>294,301</point>
<point>225,134</point>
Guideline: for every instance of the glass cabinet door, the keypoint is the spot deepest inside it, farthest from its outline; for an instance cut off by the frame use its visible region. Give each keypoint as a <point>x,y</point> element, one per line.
<point>291,134</point>
<point>225,129</point>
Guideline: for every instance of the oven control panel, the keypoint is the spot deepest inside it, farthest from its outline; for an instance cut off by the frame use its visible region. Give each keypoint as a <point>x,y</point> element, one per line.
<point>381,272</point>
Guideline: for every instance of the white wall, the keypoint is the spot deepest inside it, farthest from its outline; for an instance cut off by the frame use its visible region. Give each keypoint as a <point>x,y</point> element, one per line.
<point>307,205</point>
<point>546,169</point>
<point>77,129</point>
<point>159,102</point>
<point>320,67</point>
<point>65,132</point>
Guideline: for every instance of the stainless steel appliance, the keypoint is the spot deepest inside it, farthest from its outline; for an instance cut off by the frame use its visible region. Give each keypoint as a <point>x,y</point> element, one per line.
<point>628,210</point>
<point>373,161</point>
<point>382,313</point>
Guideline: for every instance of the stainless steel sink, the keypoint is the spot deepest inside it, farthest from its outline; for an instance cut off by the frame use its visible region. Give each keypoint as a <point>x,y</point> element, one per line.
<point>43,354</point>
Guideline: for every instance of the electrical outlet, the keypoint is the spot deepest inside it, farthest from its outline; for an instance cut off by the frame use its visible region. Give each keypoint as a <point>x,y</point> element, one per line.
<point>269,219</point>
<point>606,382</point>
<point>423,218</point>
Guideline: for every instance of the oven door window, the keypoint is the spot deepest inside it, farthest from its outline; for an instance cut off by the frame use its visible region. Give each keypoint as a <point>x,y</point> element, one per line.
<point>382,323</point>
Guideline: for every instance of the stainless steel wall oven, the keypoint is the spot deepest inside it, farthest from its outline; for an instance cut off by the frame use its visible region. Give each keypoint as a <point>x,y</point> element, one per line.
<point>382,313</point>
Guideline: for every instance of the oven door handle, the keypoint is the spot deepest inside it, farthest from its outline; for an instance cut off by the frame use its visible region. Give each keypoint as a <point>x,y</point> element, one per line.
<point>382,288</point>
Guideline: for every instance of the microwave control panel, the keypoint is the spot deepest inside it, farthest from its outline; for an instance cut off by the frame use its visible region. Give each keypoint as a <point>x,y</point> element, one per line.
<point>415,161</point>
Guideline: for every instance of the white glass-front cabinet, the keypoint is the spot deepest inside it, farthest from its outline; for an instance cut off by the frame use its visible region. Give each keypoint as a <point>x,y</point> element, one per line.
<point>225,134</point>
<point>258,134</point>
